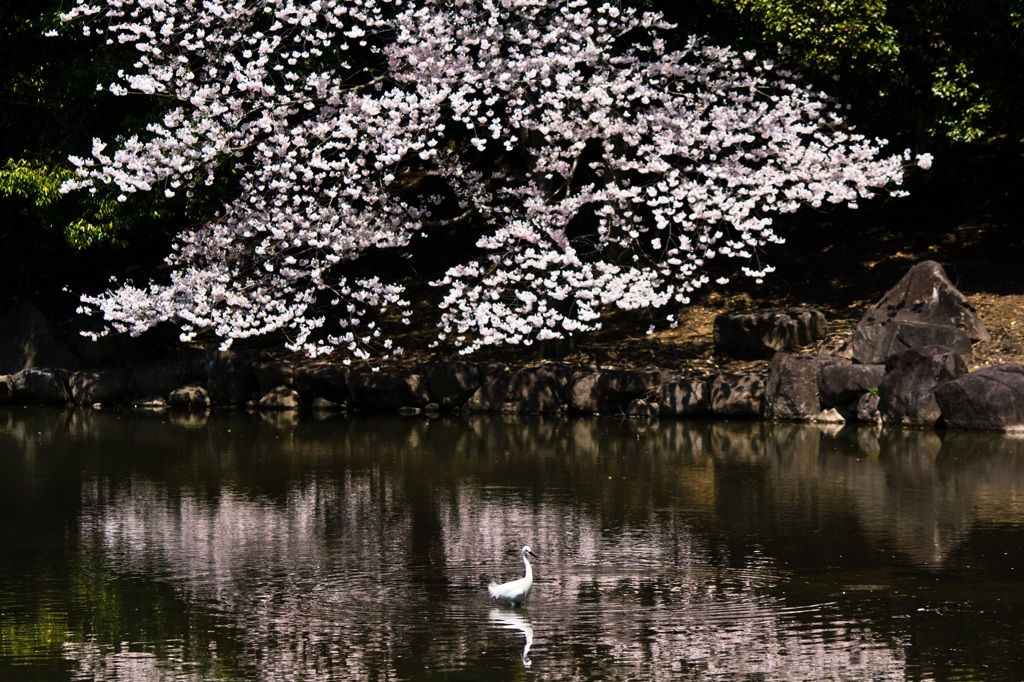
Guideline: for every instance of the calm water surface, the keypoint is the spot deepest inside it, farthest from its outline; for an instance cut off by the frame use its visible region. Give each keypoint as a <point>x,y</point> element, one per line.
<point>359,548</point>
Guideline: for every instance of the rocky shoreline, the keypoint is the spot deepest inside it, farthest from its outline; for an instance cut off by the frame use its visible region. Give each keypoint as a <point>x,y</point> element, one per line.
<point>903,366</point>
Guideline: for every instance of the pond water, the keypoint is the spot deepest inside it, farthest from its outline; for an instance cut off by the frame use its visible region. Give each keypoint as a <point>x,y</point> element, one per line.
<point>142,547</point>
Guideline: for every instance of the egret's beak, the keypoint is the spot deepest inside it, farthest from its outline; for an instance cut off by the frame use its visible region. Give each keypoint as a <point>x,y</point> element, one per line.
<point>530,552</point>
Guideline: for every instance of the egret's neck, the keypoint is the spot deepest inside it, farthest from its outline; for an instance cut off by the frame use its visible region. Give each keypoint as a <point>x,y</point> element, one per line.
<point>529,568</point>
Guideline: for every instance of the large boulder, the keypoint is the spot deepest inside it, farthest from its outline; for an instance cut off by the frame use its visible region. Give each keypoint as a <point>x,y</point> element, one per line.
<point>27,341</point>
<point>491,395</point>
<point>230,379</point>
<point>192,397</point>
<point>684,398</point>
<point>272,374</point>
<point>991,398</point>
<point>387,391</point>
<point>101,386</point>
<point>843,382</point>
<point>923,309</point>
<point>280,398</point>
<point>610,391</point>
<point>907,392</point>
<point>6,389</point>
<point>41,387</point>
<point>160,378</point>
<point>451,384</point>
<point>792,392</point>
<point>736,395</point>
<point>540,389</point>
<point>322,380</point>
<point>759,334</point>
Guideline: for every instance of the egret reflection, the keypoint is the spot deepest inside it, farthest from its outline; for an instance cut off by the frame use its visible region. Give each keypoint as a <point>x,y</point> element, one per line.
<point>515,620</point>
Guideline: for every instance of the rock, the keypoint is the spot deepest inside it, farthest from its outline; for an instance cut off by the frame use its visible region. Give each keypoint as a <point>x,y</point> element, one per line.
<point>923,309</point>
<point>41,387</point>
<point>759,334</point>
<point>792,392</point>
<point>829,416</point>
<point>230,379</point>
<point>583,394</point>
<point>990,398</point>
<point>386,391</point>
<point>844,382</point>
<point>451,384</point>
<point>736,395</point>
<point>6,389</point>
<point>322,380</point>
<point>640,408</point>
<point>538,390</point>
<point>325,406</point>
<point>160,378</point>
<point>683,398</point>
<point>610,391</point>
<point>150,404</point>
<point>103,386</point>
<point>272,374</point>
<point>192,397</point>
<point>867,409</point>
<point>281,398</point>
<point>28,342</point>
<point>907,391</point>
<point>491,396</point>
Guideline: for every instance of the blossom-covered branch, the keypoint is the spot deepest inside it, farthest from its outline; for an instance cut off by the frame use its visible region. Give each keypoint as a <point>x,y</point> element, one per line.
<point>594,166</point>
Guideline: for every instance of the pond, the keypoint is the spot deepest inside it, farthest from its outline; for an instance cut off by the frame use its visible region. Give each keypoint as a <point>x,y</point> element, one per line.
<point>161,547</point>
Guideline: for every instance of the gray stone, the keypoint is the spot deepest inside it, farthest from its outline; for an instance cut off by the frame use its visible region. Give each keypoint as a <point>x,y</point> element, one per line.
<point>103,386</point>
<point>229,377</point>
<point>322,380</point>
<point>41,387</point>
<point>867,409</point>
<point>540,389</point>
<point>759,334</point>
<point>192,397</point>
<point>387,391</point>
<point>641,409</point>
<point>150,404</point>
<point>923,309</point>
<point>829,416</point>
<point>736,395</point>
<point>325,406</point>
<point>792,392</point>
<point>990,398</point>
<point>843,382</point>
<point>281,398</point>
<point>907,391</point>
<point>27,341</point>
<point>160,378</point>
<point>272,374</point>
<point>6,389</point>
<point>610,391</point>
<point>491,396</point>
<point>451,384</point>
<point>684,398</point>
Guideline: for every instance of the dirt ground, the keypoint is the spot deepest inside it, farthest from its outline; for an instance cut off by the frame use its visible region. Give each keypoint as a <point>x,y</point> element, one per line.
<point>839,268</point>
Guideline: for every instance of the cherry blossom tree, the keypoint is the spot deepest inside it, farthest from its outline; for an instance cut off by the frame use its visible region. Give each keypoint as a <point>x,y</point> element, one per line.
<point>593,165</point>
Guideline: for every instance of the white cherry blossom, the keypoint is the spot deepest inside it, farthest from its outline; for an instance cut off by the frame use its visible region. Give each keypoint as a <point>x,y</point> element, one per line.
<point>594,166</point>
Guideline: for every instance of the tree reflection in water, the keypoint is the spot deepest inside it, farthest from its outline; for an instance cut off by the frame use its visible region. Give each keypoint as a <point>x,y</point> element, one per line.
<point>360,548</point>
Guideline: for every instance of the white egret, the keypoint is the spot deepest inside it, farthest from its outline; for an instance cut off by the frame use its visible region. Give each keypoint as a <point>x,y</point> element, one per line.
<point>516,591</point>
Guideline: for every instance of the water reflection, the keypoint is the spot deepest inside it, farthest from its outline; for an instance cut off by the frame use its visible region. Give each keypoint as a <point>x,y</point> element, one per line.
<point>511,619</point>
<point>360,548</point>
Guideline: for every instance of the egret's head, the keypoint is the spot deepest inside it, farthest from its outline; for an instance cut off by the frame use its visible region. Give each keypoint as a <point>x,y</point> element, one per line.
<point>527,550</point>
